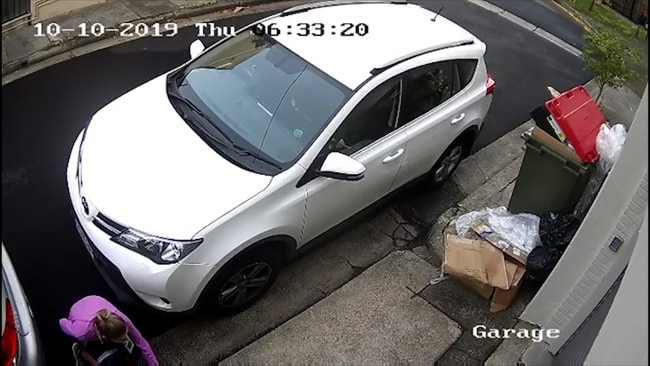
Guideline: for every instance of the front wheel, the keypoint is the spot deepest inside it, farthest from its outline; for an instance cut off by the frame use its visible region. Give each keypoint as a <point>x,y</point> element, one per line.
<point>243,281</point>
<point>446,165</point>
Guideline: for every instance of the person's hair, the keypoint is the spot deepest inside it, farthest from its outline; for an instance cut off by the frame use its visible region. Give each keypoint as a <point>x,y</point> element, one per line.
<point>109,325</point>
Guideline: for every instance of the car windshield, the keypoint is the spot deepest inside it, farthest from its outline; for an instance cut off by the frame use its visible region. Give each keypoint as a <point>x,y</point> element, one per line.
<point>263,97</point>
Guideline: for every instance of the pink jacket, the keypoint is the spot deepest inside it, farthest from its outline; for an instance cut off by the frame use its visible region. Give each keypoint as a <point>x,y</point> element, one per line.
<point>80,324</point>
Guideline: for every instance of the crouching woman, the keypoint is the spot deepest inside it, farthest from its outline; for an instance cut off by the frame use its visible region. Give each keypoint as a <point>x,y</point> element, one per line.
<point>106,336</point>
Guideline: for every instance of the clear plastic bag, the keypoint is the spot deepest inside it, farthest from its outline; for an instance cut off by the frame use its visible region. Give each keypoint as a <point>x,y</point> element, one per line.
<point>609,144</point>
<point>520,230</point>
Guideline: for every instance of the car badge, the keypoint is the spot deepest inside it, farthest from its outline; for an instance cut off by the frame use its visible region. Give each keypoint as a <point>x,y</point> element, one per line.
<point>89,210</point>
<point>84,204</point>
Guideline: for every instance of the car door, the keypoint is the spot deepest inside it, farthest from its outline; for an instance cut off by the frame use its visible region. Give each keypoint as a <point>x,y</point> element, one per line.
<point>433,114</point>
<point>368,135</point>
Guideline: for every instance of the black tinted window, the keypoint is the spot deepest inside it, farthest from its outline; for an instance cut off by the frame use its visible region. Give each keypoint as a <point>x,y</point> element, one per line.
<point>373,118</point>
<point>428,87</point>
<point>465,69</point>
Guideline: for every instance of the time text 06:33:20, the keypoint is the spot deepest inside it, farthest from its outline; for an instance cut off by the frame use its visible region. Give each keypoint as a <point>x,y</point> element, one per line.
<point>312,29</point>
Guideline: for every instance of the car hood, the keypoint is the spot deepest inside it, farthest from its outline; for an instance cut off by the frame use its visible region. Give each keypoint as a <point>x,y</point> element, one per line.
<point>144,167</point>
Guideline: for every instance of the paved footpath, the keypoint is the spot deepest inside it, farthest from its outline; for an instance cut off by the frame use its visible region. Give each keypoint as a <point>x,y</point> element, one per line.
<point>373,319</point>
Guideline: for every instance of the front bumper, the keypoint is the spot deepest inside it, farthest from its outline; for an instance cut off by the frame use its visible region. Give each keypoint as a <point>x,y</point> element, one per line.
<point>109,272</point>
<point>134,278</point>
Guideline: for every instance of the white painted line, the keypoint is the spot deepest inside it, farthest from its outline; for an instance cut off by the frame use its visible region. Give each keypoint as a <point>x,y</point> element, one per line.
<point>486,5</point>
<point>527,25</point>
<point>557,41</point>
<point>517,20</point>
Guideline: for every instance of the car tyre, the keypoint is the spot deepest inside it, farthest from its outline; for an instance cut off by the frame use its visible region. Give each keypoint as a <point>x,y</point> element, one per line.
<point>446,165</point>
<point>243,281</point>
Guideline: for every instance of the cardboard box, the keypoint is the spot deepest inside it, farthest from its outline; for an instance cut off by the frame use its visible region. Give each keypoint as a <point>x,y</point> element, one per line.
<point>483,268</point>
<point>486,233</point>
<point>476,260</point>
<point>554,144</point>
<point>499,299</point>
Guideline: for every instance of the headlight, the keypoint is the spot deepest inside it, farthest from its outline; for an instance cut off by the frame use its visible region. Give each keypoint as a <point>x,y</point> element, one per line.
<point>159,250</point>
<point>81,144</point>
<point>79,153</point>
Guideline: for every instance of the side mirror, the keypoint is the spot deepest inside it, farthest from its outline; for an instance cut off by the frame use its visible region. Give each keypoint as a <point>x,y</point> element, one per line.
<point>342,167</point>
<point>196,48</point>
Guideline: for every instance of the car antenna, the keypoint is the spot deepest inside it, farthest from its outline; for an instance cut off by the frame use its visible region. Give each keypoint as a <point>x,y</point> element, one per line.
<point>438,13</point>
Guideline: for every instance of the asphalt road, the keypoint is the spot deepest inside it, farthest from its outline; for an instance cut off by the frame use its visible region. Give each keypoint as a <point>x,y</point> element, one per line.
<point>43,113</point>
<point>548,16</point>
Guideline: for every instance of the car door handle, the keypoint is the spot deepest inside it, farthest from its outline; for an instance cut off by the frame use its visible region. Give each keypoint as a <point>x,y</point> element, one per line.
<point>458,118</point>
<point>390,158</point>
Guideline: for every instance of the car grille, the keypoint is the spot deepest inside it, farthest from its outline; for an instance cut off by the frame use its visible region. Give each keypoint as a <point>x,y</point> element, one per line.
<point>107,225</point>
<point>108,270</point>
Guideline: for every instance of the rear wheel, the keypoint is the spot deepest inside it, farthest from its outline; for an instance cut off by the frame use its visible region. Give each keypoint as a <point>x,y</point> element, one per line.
<point>446,165</point>
<point>243,281</point>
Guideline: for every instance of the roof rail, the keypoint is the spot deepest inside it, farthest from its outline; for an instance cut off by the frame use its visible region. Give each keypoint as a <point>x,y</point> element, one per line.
<point>325,4</point>
<point>388,65</point>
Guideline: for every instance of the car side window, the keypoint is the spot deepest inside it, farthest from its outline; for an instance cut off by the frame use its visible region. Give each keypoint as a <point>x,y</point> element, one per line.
<point>426,88</point>
<point>464,71</point>
<point>373,118</point>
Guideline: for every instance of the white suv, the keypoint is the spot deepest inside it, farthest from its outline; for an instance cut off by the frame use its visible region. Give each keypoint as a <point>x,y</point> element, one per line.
<point>197,186</point>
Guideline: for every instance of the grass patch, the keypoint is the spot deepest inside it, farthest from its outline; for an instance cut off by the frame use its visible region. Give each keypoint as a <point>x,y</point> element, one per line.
<point>604,17</point>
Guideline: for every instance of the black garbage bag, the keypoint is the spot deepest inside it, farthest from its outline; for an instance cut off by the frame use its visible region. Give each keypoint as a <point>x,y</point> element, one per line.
<point>541,262</point>
<point>555,232</point>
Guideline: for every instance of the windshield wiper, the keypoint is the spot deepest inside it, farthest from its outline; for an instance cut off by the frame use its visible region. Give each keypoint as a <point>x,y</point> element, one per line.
<point>236,148</point>
<point>200,113</point>
<point>229,143</point>
<point>243,152</point>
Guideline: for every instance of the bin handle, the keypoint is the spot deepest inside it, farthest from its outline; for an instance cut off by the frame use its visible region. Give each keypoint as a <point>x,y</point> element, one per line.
<point>568,169</point>
<point>565,161</point>
<point>534,148</point>
<point>543,148</point>
<point>551,152</point>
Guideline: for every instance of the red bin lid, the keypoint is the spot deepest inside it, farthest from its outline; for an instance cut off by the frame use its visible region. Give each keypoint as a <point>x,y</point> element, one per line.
<point>580,119</point>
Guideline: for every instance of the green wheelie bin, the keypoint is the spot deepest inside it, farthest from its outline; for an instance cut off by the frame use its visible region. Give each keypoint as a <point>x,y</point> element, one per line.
<point>551,178</point>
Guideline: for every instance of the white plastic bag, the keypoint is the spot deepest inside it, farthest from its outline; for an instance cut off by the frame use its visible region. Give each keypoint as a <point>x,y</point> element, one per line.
<point>520,230</point>
<point>609,144</point>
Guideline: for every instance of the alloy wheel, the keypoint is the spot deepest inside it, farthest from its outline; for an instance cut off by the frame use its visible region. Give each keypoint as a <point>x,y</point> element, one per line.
<point>448,164</point>
<point>245,285</point>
